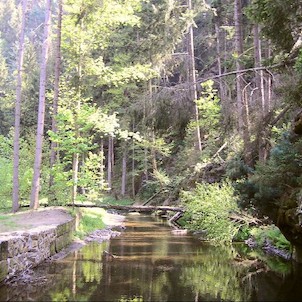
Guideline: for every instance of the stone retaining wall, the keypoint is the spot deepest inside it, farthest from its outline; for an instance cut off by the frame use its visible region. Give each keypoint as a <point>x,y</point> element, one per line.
<point>22,250</point>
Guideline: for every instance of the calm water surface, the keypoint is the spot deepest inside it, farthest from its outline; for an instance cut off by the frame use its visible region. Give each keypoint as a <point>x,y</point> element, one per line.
<point>152,264</point>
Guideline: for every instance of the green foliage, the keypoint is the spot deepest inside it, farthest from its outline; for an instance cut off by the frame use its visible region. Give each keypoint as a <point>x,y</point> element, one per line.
<point>91,220</point>
<point>6,169</point>
<point>243,234</point>
<point>272,234</point>
<point>278,19</point>
<point>110,200</point>
<point>281,172</point>
<point>209,107</point>
<point>236,168</point>
<point>298,63</point>
<point>209,206</point>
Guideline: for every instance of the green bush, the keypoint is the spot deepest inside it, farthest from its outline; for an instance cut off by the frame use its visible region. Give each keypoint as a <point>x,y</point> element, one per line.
<point>208,208</point>
<point>272,234</point>
<point>270,180</point>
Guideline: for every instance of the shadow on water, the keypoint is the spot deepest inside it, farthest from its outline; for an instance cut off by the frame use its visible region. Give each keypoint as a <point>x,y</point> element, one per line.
<point>148,263</point>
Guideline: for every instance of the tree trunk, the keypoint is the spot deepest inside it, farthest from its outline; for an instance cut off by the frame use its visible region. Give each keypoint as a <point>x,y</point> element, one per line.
<point>53,151</point>
<point>242,99</point>
<point>239,51</point>
<point>269,80</point>
<point>259,74</point>
<point>34,201</point>
<point>153,153</point>
<point>102,180</point>
<point>16,204</point>
<point>75,173</point>
<point>218,49</point>
<point>76,156</point>
<point>109,163</point>
<point>124,170</point>
<point>133,169</point>
<point>192,79</point>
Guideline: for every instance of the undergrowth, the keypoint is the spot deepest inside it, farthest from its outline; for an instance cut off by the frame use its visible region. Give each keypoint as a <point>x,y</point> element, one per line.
<point>90,220</point>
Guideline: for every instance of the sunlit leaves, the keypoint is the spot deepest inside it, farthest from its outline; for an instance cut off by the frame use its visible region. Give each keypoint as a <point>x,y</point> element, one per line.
<point>209,206</point>
<point>209,106</point>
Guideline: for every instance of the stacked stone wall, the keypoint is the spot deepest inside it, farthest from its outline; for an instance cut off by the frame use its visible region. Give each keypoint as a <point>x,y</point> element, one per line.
<point>22,250</point>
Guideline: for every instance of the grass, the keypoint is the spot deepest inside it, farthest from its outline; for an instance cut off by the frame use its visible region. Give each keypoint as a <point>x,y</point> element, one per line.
<point>6,223</point>
<point>91,220</point>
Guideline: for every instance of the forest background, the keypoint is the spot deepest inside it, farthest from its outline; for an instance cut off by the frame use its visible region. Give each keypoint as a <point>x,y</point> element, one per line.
<point>194,102</point>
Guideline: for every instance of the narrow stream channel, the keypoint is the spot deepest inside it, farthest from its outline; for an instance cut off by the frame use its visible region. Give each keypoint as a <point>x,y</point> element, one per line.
<point>152,264</point>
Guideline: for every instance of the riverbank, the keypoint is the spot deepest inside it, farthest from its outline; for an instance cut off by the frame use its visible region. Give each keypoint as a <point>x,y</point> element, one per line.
<point>31,237</point>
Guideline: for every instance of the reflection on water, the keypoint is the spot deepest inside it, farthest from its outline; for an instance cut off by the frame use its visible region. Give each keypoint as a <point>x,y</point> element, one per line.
<point>152,264</point>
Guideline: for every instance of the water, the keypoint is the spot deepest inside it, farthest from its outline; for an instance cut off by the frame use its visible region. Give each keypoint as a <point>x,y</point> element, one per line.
<point>152,264</point>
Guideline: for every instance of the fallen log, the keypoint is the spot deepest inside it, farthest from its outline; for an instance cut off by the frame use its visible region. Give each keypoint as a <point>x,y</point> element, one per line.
<point>176,217</point>
<point>130,208</point>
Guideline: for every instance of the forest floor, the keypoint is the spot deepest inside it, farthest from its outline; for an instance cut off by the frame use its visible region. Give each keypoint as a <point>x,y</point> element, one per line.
<point>26,220</point>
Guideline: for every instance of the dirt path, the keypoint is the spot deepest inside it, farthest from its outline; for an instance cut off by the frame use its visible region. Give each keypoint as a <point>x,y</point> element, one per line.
<point>33,218</point>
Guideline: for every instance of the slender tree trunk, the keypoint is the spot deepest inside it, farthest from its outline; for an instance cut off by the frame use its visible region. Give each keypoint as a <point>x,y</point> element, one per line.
<point>192,79</point>
<point>153,153</point>
<point>109,164</point>
<point>53,151</point>
<point>239,51</point>
<point>18,111</point>
<point>75,173</point>
<point>269,81</point>
<point>102,178</point>
<point>34,201</point>
<point>242,99</point>
<point>112,157</point>
<point>218,49</point>
<point>76,156</point>
<point>133,160</point>
<point>259,74</point>
<point>124,170</point>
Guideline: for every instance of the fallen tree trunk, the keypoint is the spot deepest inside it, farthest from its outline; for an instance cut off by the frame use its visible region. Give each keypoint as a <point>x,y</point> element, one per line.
<point>131,208</point>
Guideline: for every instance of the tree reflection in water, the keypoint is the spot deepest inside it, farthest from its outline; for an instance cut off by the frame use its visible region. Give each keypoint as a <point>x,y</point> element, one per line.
<point>152,264</point>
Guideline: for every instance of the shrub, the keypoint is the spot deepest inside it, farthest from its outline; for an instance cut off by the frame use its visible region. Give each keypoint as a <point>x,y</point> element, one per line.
<point>272,234</point>
<point>208,208</point>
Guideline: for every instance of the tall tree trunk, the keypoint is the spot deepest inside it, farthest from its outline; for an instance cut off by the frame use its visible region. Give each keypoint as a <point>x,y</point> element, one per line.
<point>75,173</point>
<point>133,169</point>
<point>16,205</point>
<point>153,152</point>
<point>112,157</point>
<point>76,156</point>
<point>34,201</point>
<point>109,164</point>
<point>124,170</point>
<point>242,99</point>
<point>220,42</point>
<point>102,178</point>
<point>53,151</point>
<point>259,74</point>
<point>218,50</point>
<point>239,51</point>
<point>269,81</point>
<point>192,79</point>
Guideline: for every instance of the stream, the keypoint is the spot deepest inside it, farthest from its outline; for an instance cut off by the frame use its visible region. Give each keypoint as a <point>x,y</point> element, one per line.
<point>150,263</point>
